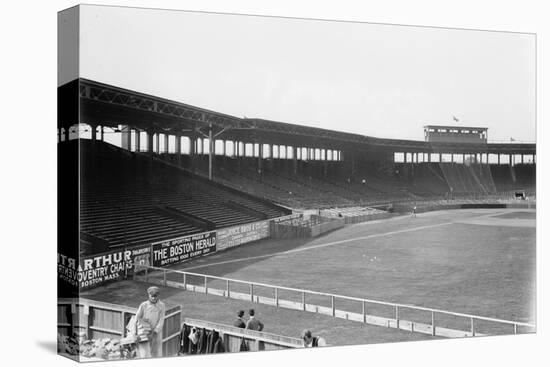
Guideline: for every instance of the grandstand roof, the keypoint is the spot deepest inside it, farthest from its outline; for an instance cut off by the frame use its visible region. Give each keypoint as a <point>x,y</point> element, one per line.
<point>108,105</point>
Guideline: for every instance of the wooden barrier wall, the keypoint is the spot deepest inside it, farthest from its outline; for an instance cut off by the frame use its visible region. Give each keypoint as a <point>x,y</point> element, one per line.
<point>96,320</point>
<point>293,229</point>
<point>366,217</point>
<point>256,340</point>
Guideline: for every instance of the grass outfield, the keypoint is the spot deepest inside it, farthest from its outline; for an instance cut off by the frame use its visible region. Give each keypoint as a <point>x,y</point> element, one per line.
<point>478,261</point>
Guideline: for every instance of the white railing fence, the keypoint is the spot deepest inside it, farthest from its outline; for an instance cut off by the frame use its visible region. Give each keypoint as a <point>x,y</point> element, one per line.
<point>424,320</point>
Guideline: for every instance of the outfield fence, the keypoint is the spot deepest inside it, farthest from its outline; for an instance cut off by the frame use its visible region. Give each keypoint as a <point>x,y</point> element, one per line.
<point>412,318</point>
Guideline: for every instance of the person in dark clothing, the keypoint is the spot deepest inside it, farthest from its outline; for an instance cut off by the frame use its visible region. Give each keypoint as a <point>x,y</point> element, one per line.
<point>215,343</point>
<point>253,323</point>
<point>244,346</point>
<point>239,321</point>
<point>184,339</point>
<point>203,341</point>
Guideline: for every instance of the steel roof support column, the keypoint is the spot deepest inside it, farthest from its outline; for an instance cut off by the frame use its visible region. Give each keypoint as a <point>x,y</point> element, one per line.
<point>238,155</point>
<point>295,159</point>
<point>157,142</point>
<point>178,148</point>
<point>210,152</point>
<point>138,141</point>
<point>192,152</point>
<point>102,133</point>
<point>260,159</point>
<point>93,127</point>
<point>192,147</point>
<point>150,142</point>
<point>412,165</point>
<point>126,137</point>
<point>271,156</point>
<point>166,143</point>
<point>325,163</point>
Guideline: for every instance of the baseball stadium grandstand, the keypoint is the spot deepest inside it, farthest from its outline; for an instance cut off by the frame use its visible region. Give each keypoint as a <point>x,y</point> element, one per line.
<point>184,174</point>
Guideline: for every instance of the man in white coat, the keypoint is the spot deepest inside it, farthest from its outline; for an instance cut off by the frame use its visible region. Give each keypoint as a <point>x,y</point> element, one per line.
<point>150,320</point>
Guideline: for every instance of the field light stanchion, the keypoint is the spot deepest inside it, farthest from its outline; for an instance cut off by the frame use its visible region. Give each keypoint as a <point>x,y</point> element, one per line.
<point>304,301</point>
<point>472,326</point>
<point>185,281</point>
<point>276,297</point>
<point>252,292</point>
<point>205,284</point>
<point>364,312</point>
<point>227,288</point>
<point>333,305</point>
<point>515,328</point>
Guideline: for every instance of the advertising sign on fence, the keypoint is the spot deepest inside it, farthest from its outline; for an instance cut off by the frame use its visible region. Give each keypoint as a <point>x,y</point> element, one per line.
<point>183,248</point>
<point>96,269</point>
<point>238,235</point>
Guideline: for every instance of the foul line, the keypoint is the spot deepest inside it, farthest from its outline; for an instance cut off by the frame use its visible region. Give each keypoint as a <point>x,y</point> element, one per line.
<point>317,246</point>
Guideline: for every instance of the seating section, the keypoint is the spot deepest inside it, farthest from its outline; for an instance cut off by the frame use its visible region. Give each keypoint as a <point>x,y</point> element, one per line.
<point>317,187</point>
<point>312,190</point>
<point>128,199</point>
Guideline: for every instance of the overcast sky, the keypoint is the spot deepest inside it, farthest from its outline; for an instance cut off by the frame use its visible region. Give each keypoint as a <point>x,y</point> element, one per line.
<point>378,80</point>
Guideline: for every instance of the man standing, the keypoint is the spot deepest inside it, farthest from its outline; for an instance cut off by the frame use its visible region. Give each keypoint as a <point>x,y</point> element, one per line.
<point>239,321</point>
<point>150,319</point>
<point>253,323</point>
